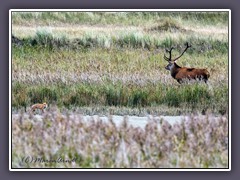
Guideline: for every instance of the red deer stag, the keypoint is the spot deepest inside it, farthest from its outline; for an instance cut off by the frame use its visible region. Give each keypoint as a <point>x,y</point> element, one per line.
<point>184,73</point>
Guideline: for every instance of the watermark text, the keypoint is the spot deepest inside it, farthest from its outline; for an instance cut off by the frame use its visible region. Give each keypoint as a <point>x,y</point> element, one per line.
<point>35,159</point>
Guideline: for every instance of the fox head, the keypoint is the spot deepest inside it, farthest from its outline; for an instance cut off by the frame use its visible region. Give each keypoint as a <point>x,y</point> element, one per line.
<point>45,105</point>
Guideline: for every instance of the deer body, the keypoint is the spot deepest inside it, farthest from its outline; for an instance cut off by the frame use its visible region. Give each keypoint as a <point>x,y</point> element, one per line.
<point>185,73</point>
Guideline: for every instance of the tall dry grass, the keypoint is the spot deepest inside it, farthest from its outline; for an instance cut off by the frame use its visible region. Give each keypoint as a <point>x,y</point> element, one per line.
<point>196,142</point>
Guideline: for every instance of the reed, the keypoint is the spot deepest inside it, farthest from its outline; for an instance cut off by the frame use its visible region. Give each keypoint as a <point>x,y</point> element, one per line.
<point>196,142</point>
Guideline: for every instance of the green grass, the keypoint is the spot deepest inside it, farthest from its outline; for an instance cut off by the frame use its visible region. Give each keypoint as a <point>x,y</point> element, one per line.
<point>114,60</point>
<point>120,67</point>
<point>126,77</point>
<point>128,39</point>
<point>198,97</point>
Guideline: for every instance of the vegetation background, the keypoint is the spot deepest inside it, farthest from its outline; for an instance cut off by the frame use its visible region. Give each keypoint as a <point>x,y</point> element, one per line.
<point>112,63</point>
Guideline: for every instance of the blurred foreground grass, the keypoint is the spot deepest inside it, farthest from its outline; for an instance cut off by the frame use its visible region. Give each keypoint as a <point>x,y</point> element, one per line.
<point>196,142</point>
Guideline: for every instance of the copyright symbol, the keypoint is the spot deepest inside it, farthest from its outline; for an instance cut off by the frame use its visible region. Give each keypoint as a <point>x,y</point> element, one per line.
<point>27,159</point>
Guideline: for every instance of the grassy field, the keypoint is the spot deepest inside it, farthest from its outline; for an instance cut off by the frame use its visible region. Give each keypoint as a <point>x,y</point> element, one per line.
<point>112,63</point>
<point>118,18</point>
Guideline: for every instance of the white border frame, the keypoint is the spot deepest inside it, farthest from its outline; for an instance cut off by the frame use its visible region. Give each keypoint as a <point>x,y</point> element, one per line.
<point>117,10</point>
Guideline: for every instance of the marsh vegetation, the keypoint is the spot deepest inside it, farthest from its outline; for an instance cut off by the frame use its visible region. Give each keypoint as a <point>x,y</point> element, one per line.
<point>104,63</point>
<point>197,142</point>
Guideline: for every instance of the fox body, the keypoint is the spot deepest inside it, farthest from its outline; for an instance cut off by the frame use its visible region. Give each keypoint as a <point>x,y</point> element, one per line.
<point>39,106</point>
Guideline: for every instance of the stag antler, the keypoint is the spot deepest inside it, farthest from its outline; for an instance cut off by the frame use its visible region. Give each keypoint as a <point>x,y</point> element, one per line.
<point>170,54</point>
<point>187,46</point>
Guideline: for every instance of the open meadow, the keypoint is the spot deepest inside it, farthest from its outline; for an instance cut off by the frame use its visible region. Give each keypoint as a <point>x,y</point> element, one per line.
<point>111,64</point>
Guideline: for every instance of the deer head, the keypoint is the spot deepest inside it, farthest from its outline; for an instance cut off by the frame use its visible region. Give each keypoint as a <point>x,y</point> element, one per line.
<point>172,62</point>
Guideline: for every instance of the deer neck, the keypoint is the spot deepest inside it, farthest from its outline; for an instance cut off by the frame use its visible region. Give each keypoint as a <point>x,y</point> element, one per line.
<point>174,70</point>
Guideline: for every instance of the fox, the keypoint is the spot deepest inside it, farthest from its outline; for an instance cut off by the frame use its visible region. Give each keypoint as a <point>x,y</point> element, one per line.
<point>39,106</point>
